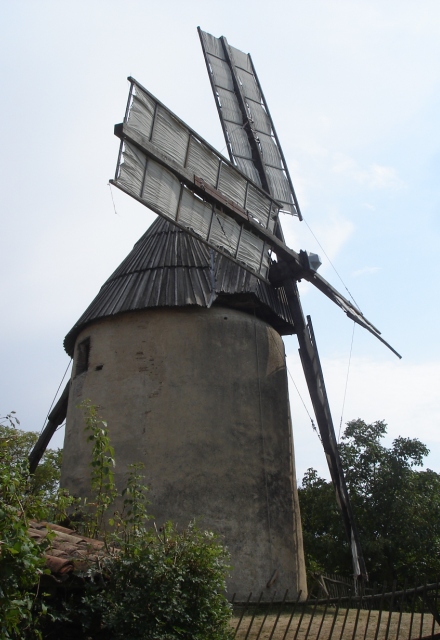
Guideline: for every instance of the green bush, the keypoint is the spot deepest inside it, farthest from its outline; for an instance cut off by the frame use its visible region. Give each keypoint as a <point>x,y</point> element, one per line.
<point>169,585</point>
<point>22,497</point>
<point>165,584</point>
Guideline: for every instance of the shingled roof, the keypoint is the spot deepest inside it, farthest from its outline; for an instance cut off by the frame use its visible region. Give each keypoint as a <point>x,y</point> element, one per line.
<point>169,268</point>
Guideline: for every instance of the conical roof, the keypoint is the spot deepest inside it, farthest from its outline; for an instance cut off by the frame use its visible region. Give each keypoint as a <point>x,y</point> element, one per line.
<point>170,268</point>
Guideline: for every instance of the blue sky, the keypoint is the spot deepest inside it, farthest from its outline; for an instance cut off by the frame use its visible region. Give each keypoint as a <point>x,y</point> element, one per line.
<point>354,90</point>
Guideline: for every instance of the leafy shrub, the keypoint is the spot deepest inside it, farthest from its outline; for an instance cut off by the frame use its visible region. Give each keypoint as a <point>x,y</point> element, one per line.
<point>22,497</point>
<point>168,585</point>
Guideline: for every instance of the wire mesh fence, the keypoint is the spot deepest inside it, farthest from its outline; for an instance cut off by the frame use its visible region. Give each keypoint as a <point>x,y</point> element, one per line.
<point>381,613</point>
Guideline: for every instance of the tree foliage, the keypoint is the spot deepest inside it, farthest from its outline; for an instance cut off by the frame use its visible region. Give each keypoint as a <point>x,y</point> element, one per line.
<point>18,444</point>
<point>23,497</point>
<point>395,503</point>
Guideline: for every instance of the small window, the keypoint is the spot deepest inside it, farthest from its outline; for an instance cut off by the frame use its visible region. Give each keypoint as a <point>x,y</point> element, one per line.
<point>82,357</point>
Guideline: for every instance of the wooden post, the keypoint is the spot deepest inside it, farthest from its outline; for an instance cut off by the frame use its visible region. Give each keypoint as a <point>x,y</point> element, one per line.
<point>315,381</point>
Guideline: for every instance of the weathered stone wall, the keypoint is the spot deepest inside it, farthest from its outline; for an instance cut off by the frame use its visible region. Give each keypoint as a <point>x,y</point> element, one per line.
<point>200,397</point>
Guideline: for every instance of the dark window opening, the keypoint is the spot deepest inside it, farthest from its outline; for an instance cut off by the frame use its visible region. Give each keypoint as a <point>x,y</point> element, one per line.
<point>82,357</point>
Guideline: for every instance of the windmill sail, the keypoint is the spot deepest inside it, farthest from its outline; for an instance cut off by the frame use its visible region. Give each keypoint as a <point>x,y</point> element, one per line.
<point>169,168</point>
<point>249,131</point>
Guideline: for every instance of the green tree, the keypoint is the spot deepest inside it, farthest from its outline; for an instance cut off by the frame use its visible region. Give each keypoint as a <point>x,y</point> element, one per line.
<point>22,497</point>
<point>395,503</point>
<point>18,444</point>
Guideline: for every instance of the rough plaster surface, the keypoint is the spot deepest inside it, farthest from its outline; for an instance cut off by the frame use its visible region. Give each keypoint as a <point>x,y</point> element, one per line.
<point>200,397</point>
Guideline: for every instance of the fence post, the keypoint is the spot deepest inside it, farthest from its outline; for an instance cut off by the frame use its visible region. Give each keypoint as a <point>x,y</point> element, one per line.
<point>334,618</point>
<point>311,620</point>
<point>242,613</point>
<point>292,614</point>
<point>265,615</point>
<point>391,610</point>
<point>412,614</point>
<point>369,610</point>
<point>300,619</point>
<point>322,619</point>
<point>423,608</point>
<point>279,613</point>
<point>379,617</point>
<point>253,616</point>
<point>435,615</point>
<point>347,610</point>
<point>358,612</point>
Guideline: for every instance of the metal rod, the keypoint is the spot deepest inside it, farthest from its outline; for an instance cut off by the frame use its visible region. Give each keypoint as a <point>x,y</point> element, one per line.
<point>253,616</point>
<point>322,622</point>
<point>369,614</point>
<point>356,622</point>
<point>279,613</point>
<point>423,610</point>
<point>242,613</point>
<point>309,626</point>
<point>412,613</point>
<point>379,618</point>
<point>391,611</point>
<point>305,603</point>
<point>435,615</point>
<point>292,614</point>
<point>402,604</point>
<point>265,616</point>
<point>334,621</point>
<point>347,611</point>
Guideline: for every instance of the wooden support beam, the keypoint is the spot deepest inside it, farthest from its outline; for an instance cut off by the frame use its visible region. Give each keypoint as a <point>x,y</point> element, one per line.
<point>56,417</point>
<point>315,381</point>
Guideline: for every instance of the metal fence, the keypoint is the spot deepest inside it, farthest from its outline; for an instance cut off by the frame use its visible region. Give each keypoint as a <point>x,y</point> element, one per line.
<point>384,614</point>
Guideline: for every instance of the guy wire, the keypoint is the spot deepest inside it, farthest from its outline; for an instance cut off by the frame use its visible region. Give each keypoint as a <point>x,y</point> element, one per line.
<point>331,263</point>
<point>53,401</point>
<point>111,193</point>
<point>346,383</point>
<point>296,388</point>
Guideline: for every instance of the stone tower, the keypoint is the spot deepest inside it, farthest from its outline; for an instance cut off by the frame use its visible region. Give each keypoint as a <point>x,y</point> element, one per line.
<point>182,351</point>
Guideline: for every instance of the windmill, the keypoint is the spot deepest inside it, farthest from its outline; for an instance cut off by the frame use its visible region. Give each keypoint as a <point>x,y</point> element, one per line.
<point>223,217</point>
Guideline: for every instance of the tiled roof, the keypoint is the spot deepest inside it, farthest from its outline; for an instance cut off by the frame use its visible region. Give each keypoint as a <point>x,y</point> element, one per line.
<point>167,268</point>
<point>68,552</point>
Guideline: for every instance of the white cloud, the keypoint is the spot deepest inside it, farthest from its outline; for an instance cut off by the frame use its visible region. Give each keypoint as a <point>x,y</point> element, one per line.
<point>366,271</point>
<point>380,177</point>
<point>375,176</point>
<point>333,233</point>
<point>404,394</point>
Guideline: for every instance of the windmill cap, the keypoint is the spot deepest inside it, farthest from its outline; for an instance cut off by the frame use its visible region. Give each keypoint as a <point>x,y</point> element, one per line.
<point>314,260</point>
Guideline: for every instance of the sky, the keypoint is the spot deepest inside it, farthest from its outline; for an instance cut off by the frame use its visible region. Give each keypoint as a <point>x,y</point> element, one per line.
<point>353,87</point>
